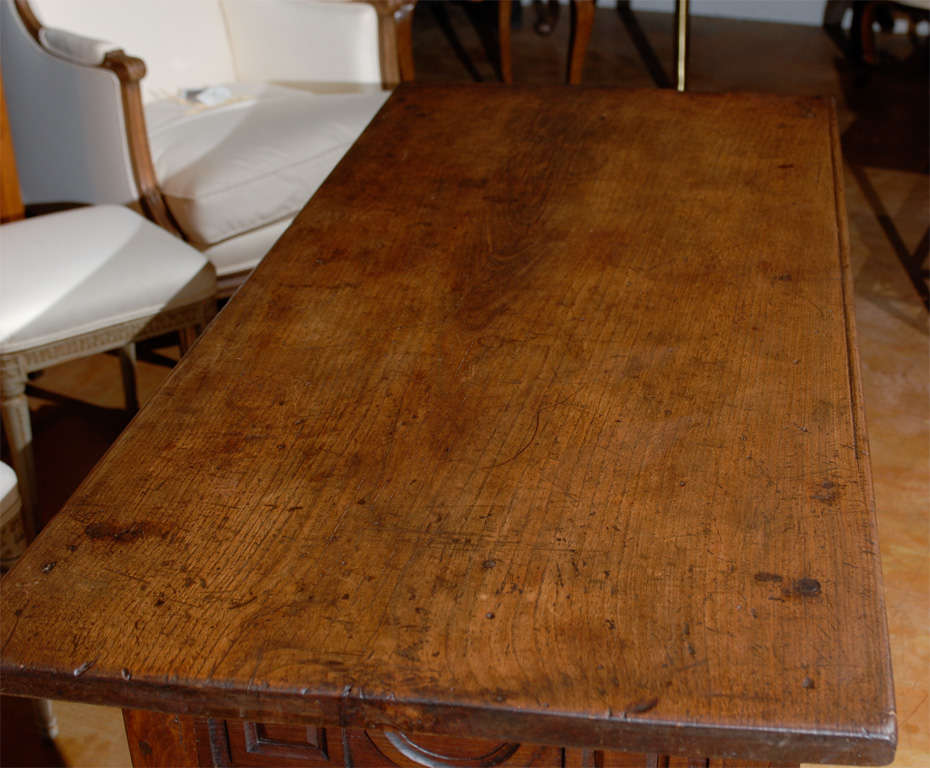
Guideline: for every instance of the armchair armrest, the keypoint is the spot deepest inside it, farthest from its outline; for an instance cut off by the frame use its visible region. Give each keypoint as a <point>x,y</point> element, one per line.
<point>76,117</point>
<point>75,48</point>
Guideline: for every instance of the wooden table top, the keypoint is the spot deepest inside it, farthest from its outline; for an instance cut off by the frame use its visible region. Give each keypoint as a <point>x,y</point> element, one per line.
<point>542,421</point>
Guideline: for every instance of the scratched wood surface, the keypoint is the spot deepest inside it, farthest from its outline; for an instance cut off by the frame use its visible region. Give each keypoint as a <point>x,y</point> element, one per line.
<point>542,422</point>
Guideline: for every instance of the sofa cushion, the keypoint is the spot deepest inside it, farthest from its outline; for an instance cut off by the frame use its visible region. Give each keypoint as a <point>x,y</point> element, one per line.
<point>254,159</point>
<point>289,42</point>
<point>240,254</point>
<point>74,272</point>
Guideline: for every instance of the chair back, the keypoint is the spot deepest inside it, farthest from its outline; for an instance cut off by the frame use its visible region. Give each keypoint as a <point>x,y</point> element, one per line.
<point>183,42</point>
<point>306,42</point>
<point>62,154</point>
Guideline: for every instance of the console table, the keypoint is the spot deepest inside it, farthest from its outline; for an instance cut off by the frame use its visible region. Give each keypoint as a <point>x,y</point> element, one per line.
<point>537,439</point>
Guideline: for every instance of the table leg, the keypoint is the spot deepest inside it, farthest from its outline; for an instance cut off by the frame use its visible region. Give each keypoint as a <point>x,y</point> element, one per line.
<point>157,739</point>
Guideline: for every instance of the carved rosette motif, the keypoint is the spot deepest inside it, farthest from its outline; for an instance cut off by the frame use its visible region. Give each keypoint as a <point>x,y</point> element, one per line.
<point>403,750</point>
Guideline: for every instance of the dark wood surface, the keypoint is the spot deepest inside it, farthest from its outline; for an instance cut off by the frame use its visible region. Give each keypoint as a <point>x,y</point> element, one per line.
<point>180,741</point>
<point>159,739</point>
<point>541,423</point>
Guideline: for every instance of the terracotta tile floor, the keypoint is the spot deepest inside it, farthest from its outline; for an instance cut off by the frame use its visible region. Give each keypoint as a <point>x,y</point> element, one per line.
<point>76,406</point>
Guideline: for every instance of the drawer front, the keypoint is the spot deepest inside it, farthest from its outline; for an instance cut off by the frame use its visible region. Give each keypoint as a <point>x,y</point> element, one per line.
<point>238,743</point>
<point>243,744</point>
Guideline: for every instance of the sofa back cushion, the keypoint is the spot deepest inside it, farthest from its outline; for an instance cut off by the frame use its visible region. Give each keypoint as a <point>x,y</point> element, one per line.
<point>183,42</point>
<point>304,42</point>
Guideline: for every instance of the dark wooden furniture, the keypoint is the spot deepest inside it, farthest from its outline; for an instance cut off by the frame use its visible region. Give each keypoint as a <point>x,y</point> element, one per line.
<point>498,47</point>
<point>582,19</point>
<point>553,441</point>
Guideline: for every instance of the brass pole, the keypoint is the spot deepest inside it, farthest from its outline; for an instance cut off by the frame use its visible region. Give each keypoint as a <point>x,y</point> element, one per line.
<point>682,50</point>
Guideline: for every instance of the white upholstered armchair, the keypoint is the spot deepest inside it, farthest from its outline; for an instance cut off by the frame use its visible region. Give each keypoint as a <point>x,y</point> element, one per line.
<point>218,119</point>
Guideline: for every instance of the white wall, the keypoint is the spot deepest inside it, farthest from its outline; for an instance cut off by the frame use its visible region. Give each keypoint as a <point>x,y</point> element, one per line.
<point>786,11</point>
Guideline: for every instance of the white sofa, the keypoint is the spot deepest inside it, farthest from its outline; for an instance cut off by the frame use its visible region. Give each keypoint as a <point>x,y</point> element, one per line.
<point>291,84</point>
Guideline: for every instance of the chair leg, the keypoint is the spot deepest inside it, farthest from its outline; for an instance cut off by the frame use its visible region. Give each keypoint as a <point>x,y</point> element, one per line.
<point>403,19</point>
<point>127,364</point>
<point>15,411</point>
<point>503,38</point>
<point>582,21</point>
<point>45,718</point>
<point>12,535</point>
<point>186,337</point>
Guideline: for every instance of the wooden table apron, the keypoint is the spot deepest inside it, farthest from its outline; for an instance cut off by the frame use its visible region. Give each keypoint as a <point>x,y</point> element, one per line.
<point>542,424</point>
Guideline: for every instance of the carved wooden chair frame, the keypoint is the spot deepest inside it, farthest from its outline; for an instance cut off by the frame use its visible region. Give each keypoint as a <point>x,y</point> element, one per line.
<point>396,56</point>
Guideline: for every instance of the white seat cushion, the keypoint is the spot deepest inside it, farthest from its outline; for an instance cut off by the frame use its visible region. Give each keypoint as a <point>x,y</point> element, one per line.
<point>242,254</point>
<point>82,270</point>
<point>252,160</point>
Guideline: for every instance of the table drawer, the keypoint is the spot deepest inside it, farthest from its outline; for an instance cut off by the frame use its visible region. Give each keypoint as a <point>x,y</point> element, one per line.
<point>240,743</point>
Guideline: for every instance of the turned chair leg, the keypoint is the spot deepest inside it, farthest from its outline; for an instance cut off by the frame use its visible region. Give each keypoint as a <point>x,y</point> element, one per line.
<point>12,533</point>
<point>403,25</point>
<point>127,363</point>
<point>503,37</point>
<point>582,21</point>
<point>15,412</point>
<point>45,719</point>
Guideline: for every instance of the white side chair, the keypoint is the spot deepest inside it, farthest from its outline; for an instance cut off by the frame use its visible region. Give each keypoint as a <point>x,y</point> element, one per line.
<point>289,87</point>
<point>12,534</point>
<point>12,545</point>
<point>80,282</point>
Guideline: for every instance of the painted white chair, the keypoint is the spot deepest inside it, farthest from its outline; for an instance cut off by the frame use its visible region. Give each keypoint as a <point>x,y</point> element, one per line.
<point>12,534</point>
<point>12,545</point>
<point>289,86</point>
<point>80,282</point>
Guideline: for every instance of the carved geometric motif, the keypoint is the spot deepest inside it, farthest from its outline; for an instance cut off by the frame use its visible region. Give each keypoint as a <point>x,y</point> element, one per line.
<point>286,741</point>
<point>428,751</point>
<point>235,743</point>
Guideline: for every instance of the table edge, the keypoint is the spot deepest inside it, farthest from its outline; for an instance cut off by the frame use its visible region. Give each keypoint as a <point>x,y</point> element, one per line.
<point>353,708</point>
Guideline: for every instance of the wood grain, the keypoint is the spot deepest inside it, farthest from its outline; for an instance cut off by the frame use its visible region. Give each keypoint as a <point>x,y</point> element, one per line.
<point>555,437</point>
<point>157,739</point>
<point>248,744</point>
